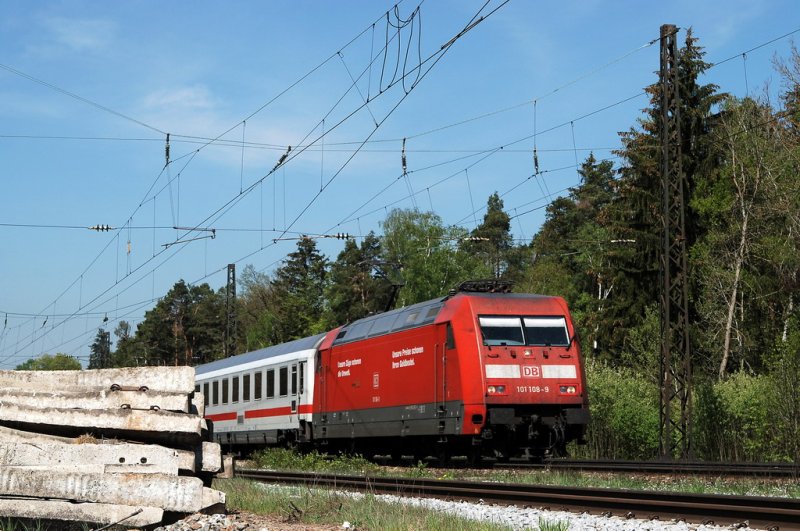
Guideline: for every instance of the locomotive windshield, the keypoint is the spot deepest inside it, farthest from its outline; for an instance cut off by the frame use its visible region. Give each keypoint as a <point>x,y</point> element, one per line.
<point>528,331</point>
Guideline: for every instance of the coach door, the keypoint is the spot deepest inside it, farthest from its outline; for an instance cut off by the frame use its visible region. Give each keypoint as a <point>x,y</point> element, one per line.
<point>321,377</point>
<point>301,387</point>
<point>440,370</point>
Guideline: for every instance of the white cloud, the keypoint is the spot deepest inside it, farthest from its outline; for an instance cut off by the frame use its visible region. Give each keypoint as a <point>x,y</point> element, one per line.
<point>196,97</point>
<point>79,35</point>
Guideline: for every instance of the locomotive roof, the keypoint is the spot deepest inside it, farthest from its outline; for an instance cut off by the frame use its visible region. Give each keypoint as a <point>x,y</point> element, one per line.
<point>411,316</point>
<point>297,345</point>
<point>383,323</point>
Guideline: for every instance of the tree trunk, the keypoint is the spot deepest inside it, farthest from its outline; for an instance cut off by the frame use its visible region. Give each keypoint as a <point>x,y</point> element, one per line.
<point>738,261</point>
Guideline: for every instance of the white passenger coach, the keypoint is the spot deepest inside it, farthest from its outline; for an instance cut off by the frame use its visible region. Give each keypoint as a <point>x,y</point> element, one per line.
<point>261,397</point>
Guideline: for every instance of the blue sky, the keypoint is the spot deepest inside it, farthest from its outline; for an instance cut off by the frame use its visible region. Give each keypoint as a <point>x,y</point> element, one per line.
<point>88,91</point>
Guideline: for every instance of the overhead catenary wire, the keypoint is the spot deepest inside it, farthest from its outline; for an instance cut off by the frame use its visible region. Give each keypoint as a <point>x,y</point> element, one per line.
<point>199,139</point>
<point>518,214</point>
<point>221,210</point>
<point>435,57</point>
<point>502,147</point>
<point>508,150</point>
<point>80,98</point>
<point>194,152</point>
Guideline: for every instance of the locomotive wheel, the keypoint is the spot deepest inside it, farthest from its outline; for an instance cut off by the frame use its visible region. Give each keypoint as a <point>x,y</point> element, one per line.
<point>474,457</point>
<point>502,456</point>
<point>443,457</point>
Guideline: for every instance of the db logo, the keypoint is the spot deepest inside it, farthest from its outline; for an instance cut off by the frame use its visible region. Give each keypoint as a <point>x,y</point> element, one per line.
<point>531,371</point>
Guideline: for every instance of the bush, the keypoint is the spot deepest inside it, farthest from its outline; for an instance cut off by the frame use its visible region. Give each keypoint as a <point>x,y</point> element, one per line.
<point>734,419</point>
<point>784,367</point>
<point>624,408</point>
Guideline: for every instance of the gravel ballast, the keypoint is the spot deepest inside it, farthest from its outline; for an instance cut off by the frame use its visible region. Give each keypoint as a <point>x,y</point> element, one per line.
<point>510,516</point>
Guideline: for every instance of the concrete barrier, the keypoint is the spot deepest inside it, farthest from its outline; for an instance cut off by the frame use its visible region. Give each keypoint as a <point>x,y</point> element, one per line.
<point>173,379</point>
<point>151,425</point>
<point>101,513</point>
<point>105,447</point>
<point>92,457</point>
<point>14,435</point>
<point>100,399</point>
<point>171,493</point>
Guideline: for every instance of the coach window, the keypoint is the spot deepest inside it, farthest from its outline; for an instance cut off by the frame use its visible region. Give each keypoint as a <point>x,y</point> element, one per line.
<point>294,379</point>
<point>246,388</point>
<point>216,392</point>
<point>271,383</point>
<point>235,390</point>
<point>302,377</point>
<point>206,397</point>
<point>258,382</point>
<point>224,390</point>
<point>284,381</point>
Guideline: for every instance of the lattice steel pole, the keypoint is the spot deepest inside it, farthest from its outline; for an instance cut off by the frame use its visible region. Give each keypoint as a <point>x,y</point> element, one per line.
<point>675,344</point>
<point>230,312</point>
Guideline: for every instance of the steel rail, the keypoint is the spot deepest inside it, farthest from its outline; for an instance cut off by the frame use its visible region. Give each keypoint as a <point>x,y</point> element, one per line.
<point>757,511</point>
<point>777,470</point>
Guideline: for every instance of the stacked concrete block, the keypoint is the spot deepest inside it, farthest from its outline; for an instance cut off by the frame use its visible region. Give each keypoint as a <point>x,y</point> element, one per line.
<point>109,446</point>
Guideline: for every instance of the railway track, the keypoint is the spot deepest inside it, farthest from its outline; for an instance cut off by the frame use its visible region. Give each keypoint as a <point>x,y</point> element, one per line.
<point>761,512</point>
<point>775,470</point>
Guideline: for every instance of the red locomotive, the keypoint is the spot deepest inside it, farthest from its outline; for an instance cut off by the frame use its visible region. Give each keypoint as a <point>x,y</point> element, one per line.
<point>473,374</point>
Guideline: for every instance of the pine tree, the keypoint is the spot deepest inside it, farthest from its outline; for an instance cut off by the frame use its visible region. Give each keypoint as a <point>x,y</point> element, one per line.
<point>100,356</point>
<point>356,287</point>
<point>184,328</point>
<point>299,288</point>
<point>574,251</point>
<point>491,241</point>
<point>636,213</point>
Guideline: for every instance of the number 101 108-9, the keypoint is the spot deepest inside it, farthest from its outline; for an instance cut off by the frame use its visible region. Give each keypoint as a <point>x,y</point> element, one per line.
<point>533,389</point>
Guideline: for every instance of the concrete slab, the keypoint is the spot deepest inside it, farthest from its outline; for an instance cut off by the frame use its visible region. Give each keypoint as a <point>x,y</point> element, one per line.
<point>146,426</point>
<point>101,399</point>
<point>99,513</point>
<point>198,404</point>
<point>228,467</point>
<point>213,498</point>
<point>173,379</point>
<point>12,435</point>
<point>171,493</point>
<point>210,457</point>
<point>186,459</point>
<point>98,458</point>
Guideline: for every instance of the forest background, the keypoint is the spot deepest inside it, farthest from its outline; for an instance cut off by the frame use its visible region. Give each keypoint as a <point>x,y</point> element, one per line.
<point>599,249</point>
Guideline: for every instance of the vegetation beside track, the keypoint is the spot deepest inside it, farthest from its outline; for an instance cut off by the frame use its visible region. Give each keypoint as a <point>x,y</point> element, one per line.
<point>282,459</point>
<point>326,506</point>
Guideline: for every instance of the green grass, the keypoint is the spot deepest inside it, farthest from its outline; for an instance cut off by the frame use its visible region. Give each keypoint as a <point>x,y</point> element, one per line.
<point>785,488</point>
<point>283,459</point>
<point>324,506</point>
<point>553,525</point>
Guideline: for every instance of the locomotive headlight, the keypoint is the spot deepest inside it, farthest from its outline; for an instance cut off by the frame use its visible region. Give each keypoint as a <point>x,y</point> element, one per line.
<point>568,389</point>
<point>496,389</point>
